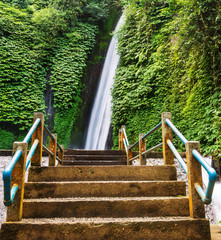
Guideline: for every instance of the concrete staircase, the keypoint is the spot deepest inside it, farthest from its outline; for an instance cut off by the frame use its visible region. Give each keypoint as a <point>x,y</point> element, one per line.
<point>105,202</point>
<point>93,157</point>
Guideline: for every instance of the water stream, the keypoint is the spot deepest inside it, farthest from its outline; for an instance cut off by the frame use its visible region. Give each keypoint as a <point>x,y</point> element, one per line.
<point>100,119</point>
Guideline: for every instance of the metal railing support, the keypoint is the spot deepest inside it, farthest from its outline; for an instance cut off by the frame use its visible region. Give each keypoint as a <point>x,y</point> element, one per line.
<point>14,212</point>
<point>167,134</point>
<point>38,134</point>
<point>194,176</point>
<point>129,155</point>
<point>142,148</point>
<point>52,148</point>
<point>61,154</point>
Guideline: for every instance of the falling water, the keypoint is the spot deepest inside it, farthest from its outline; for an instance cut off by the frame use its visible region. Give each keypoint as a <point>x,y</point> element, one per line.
<point>216,197</point>
<point>101,113</point>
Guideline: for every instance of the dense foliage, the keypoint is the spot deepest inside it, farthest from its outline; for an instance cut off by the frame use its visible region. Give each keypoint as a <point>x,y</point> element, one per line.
<point>40,38</point>
<point>170,61</point>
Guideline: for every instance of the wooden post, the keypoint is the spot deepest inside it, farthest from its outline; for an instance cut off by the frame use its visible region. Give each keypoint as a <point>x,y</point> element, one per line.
<point>167,134</point>
<point>14,212</point>
<point>129,155</point>
<point>38,134</point>
<point>142,148</point>
<point>61,154</point>
<point>194,176</point>
<point>119,140</point>
<point>53,148</point>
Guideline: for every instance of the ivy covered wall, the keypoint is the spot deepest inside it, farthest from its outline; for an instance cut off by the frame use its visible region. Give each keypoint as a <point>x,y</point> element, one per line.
<point>40,38</point>
<point>170,61</point>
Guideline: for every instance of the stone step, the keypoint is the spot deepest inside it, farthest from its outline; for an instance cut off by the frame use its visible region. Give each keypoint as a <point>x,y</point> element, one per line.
<point>162,228</point>
<point>95,157</point>
<point>93,152</point>
<point>106,207</point>
<point>104,189</point>
<point>102,173</point>
<point>94,162</point>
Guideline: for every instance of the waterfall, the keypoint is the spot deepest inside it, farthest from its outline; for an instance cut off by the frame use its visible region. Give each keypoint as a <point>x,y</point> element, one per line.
<point>100,119</point>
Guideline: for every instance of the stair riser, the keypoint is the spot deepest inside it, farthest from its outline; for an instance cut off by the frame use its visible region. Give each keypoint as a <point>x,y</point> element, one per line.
<point>120,208</point>
<point>102,189</point>
<point>95,157</point>
<point>94,163</point>
<point>152,230</point>
<point>109,173</point>
<point>93,152</point>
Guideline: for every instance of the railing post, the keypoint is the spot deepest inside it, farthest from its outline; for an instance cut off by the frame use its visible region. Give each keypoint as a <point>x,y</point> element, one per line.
<point>53,148</point>
<point>14,212</point>
<point>129,155</point>
<point>167,134</point>
<point>120,140</point>
<point>194,176</point>
<point>61,154</point>
<point>142,148</point>
<point>38,134</point>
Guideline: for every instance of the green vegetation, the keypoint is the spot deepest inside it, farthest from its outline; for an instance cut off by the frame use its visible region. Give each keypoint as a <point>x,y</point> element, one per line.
<point>170,61</point>
<point>39,37</point>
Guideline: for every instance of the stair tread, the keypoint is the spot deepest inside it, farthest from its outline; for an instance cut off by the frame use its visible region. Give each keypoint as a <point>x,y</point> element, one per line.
<point>98,181</point>
<point>95,155</point>
<point>90,199</point>
<point>98,220</point>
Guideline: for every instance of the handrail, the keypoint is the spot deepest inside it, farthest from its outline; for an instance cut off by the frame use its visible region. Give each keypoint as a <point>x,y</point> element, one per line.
<point>32,130</point>
<point>47,150</point>
<point>125,141</point>
<point>206,197</point>
<point>135,157</point>
<point>176,131</point>
<point>125,145</point>
<point>125,135</point>
<point>177,155</point>
<point>9,193</point>
<point>153,148</point>
<point>132,146</point>
<point>31,153</point>
<point>147,134</point>
<point>152,130</point>
<point>191,168</point>
<point>21,151</point>
<point>49,133</point>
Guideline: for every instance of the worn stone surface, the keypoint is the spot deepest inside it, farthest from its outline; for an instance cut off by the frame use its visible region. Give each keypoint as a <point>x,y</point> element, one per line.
<point>105,189</point>
<point>100,173</point>
<point>111,229</point>
<point>106,207</point>
<point>106,228</point>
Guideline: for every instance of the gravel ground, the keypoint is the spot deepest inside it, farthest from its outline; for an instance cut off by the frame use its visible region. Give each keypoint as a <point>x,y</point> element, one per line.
<point>180,173</point>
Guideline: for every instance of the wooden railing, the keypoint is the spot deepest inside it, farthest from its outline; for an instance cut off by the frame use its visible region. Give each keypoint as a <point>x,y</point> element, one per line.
<point>192,167</point>
<point>14,173</point>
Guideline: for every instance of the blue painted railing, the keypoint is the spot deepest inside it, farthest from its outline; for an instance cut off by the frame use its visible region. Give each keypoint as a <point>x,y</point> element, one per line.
<point>128,147</point>
<point>206,196</point>
<point>10,192</point>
